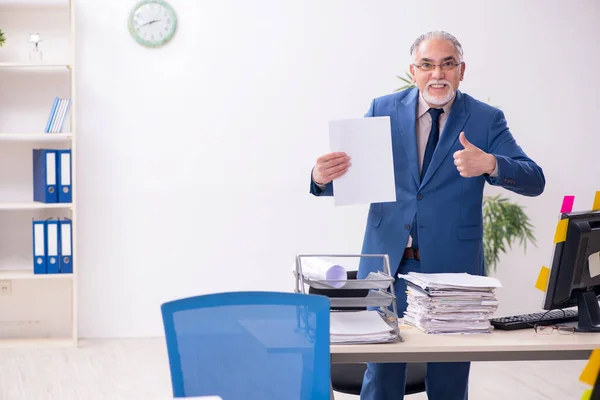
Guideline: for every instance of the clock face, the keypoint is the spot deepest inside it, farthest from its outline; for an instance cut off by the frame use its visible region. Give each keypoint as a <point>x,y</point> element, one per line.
<point>152,22</point>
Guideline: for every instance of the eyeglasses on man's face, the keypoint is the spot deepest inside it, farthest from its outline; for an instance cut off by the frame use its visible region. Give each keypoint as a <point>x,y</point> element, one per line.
<point>445,66</point>
<point>549,329</point>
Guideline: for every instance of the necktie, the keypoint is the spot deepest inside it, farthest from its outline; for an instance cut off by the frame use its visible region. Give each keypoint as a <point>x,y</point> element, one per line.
<point>434,136</point>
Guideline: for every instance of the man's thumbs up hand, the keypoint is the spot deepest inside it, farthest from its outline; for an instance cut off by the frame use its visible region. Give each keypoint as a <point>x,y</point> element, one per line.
<point>472,161</point>
<point>463,140</point>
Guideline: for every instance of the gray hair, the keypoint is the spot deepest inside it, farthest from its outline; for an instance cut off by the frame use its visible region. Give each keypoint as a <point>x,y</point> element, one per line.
<point>437,35</point>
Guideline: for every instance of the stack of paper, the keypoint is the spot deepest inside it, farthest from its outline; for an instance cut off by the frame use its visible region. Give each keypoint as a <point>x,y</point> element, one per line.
<point>450,303</point>
<point>360,327</point>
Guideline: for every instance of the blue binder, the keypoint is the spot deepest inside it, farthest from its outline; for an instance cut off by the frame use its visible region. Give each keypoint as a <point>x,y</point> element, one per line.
<point>39,247</point>
<point>52,242</point>
<point>44,176</point>
<point>64,175</point>
<point>66,247</point>
<point>52,112</point>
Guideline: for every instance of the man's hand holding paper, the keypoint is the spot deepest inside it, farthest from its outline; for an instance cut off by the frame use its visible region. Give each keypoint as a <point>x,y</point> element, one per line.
<point>368,142</point>
<point>330,166</point>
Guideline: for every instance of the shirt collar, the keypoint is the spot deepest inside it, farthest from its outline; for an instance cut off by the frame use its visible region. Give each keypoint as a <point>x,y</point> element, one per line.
<point>424,107</point>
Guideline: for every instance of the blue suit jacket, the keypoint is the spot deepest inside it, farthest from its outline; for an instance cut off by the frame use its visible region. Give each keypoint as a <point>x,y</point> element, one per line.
<point>449,207</point>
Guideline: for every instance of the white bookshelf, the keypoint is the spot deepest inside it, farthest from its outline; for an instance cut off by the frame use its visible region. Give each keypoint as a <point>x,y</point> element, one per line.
<point>33,65</point>
<point>27,312</point>
<point>8,274</point>
<point>33,205</point>
<point>36,137</point>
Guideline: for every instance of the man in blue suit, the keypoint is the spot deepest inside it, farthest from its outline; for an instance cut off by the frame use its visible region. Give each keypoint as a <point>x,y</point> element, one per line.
<point>446,146</point>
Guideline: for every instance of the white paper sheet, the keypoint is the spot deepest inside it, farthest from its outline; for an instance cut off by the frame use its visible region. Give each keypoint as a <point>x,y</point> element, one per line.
<point>359,327</point>
<point>368,143</point>
<point>451,281</point>
<point>324,271</point>
<point>594,262</point>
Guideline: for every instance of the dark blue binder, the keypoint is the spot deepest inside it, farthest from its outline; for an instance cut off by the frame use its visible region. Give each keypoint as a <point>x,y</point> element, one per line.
<point>39,247</point>
<point>44,176</point>
<point>64,175</point>
<point>66,246</point>
<point>52,243</point>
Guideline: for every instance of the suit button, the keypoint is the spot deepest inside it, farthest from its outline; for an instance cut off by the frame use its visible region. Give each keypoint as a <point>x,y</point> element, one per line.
<point>407,227</point>
<point>419,196</point>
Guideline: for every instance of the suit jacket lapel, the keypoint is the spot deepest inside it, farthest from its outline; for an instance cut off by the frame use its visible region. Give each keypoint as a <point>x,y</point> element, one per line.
<point>456,121</point>
<point>407,123</point>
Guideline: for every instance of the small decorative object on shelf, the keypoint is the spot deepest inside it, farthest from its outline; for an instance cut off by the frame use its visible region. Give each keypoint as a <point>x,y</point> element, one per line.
<point>2,38</point>
<point>35,54</point>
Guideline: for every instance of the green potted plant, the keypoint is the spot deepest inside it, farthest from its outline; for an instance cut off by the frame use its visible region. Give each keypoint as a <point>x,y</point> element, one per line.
<point>2,38</point>
<point>408,82</point>
<point>503,221</point>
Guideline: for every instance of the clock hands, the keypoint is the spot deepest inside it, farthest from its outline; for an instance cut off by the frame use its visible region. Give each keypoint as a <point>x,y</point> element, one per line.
<point>154,20</point>
<point>150,22</point>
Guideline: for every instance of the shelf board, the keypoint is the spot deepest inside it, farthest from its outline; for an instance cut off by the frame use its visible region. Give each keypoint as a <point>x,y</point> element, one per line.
<point>34,3</point>
<point>33,65</point>
<point>33,205</point>
<point>35,136</point>
<point>37,342</point>
<point>6,274</point>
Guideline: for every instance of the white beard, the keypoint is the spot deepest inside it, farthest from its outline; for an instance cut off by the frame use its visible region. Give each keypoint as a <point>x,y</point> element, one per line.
<point>438,101</point>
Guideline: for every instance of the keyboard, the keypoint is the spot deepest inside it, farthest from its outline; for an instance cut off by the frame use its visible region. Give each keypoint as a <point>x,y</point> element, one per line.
<point>524,321</point>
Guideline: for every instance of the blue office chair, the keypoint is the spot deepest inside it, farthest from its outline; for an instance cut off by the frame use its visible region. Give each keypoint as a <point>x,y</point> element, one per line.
<point>249,345</point>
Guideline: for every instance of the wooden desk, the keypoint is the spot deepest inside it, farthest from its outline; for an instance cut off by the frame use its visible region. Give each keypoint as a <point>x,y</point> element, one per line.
<point>519,345</point>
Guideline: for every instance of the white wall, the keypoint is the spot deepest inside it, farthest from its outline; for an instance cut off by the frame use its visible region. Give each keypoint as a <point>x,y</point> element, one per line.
<point>194,159</point>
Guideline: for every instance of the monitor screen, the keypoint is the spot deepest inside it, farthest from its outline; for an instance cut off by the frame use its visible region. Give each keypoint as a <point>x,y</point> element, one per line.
<point>575,273</point>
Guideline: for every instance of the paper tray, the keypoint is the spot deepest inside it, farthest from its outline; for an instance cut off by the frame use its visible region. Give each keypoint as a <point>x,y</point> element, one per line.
<point>377,280</point>
<point>373,299</point>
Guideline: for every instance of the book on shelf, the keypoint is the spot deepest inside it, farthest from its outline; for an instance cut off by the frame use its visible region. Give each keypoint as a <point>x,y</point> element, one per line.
<point>58,113</point>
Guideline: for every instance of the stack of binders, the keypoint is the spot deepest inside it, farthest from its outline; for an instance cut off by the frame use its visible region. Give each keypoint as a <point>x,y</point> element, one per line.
<point>52,176</point>
<point>52,246</point>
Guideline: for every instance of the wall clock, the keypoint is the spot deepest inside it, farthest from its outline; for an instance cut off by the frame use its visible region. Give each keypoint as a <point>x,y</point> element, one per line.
<point>152,23</point>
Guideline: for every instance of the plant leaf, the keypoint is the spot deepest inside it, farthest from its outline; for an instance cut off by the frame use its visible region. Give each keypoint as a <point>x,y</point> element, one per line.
<point>505,222</point>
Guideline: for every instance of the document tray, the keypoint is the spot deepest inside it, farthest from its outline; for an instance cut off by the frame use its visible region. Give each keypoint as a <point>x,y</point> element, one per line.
<point>373,299</point>
<point>377,280</point>
<point>380,297</point>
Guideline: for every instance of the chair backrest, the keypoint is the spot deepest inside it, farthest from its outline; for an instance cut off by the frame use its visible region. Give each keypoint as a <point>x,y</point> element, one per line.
<point>249,345</point>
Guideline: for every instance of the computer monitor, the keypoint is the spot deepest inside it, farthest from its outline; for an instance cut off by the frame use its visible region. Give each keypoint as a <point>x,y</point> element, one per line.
<point>571,282</point>
<point>596,390</point>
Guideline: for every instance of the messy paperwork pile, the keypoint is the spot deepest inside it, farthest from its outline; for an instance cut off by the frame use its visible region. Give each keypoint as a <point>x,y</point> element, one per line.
<point>360,327</point>
<point>451,302</point>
